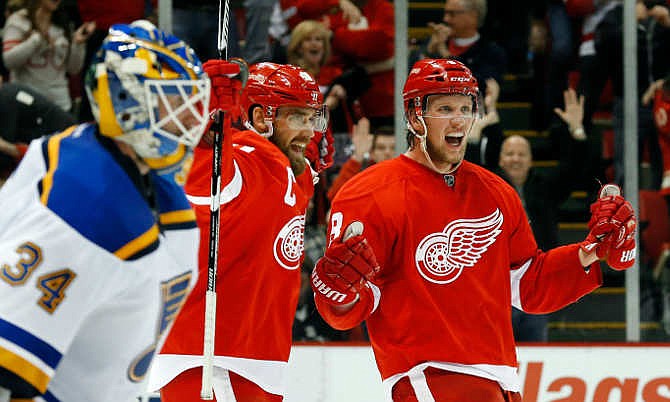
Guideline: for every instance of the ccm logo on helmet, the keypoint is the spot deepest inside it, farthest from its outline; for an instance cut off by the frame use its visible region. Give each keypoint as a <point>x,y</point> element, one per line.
<point>459,79</point>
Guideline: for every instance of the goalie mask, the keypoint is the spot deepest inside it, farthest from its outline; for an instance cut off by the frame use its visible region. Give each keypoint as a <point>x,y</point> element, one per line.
<point>147,89</point>
<point>273,86</point>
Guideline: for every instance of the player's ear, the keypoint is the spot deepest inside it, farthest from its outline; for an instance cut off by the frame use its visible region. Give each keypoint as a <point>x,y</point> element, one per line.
<point>414,122</point>
<point>258,120</point>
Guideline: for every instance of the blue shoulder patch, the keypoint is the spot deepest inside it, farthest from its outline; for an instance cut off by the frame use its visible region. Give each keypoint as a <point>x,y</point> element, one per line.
<point>173,208</point>
<point>87,188</point>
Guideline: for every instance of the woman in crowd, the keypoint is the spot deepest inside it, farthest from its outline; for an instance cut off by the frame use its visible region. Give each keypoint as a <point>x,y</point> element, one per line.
<point>39,49</point>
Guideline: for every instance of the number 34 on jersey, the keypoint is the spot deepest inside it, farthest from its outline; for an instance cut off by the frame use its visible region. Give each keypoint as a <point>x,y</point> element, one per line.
<point>51,283</point>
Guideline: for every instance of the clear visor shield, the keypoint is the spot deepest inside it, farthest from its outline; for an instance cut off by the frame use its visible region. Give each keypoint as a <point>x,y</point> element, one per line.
<point>178,109</point>
<point>465,117</point>
<point>445,111</point>
<point>464,120</point>
<point>298,118</point>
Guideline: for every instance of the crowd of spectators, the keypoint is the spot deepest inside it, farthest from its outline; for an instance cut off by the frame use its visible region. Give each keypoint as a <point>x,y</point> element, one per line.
<point>570,50</point>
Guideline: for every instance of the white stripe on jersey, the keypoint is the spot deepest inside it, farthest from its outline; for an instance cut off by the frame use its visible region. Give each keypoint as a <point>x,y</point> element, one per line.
<point>228,194</point>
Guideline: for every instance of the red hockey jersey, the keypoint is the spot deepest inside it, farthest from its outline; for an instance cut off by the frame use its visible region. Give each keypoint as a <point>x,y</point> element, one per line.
<point>455,255</point>
<point>258,279</point>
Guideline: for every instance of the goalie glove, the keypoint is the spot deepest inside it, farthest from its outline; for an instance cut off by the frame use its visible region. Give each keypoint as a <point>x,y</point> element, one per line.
<point>601,225</point>
<point>344,271</point>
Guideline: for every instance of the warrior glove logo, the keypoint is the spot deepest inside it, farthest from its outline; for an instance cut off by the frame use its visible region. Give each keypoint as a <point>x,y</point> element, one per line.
<point>289,246</point>
<point>332,294</point>
<point>441,257</point>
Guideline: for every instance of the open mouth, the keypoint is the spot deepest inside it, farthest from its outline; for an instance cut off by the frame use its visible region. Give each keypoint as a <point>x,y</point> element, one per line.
<point>298,148</point>
<point>454,140</point>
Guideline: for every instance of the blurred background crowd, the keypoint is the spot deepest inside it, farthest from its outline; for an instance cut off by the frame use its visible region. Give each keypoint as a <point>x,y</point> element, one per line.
<point>551,80</point>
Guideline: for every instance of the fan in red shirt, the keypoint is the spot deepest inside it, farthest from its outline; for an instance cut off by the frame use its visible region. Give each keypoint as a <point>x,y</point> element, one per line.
<point>433,252</point>
<point>661,107</point>
<point>264,197</point>
<point>363,35</point>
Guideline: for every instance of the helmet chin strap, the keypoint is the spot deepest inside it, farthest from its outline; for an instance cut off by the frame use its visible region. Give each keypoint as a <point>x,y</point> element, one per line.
<point>422,140</point>
<point>271,130</point>
<point>265,135</point>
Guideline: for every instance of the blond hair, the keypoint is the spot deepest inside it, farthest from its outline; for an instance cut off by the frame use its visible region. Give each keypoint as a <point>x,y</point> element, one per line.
<point>301,32</point>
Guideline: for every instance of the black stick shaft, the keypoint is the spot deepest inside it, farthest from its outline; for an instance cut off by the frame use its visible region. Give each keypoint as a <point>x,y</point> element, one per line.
<point>214,213</point>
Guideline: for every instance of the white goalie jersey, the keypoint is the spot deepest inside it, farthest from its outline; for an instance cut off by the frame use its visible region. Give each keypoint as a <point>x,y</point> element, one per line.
<point>90,276</point>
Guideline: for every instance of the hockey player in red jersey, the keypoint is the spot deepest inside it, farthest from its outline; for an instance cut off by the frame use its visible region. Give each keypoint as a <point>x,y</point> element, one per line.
<point>440,249</point>
<point>263,204</point>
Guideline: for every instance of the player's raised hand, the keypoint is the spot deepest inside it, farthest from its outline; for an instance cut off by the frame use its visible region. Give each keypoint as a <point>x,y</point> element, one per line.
<point>320,150</point>
<point>600,225</point>
<point>345,269</point>
<point>612,228</point>
<point>226,86</point>
<point>621,246</point>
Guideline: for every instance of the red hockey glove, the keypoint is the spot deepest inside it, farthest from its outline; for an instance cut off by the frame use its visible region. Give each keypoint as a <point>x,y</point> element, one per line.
<point>621,247</point>
<point>226,89</point>
<point>600,224</point>
<point>343,272</point>
<point>320,151</point>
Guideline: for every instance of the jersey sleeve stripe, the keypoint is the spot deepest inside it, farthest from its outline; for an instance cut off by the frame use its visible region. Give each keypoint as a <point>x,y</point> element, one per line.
<point>49,397</point>
<point>140,243</point>
<point>24,369</point>
<point>515,278</point>
<point>23,339</point>
<point>53,148</point>
<point>176,217</point>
